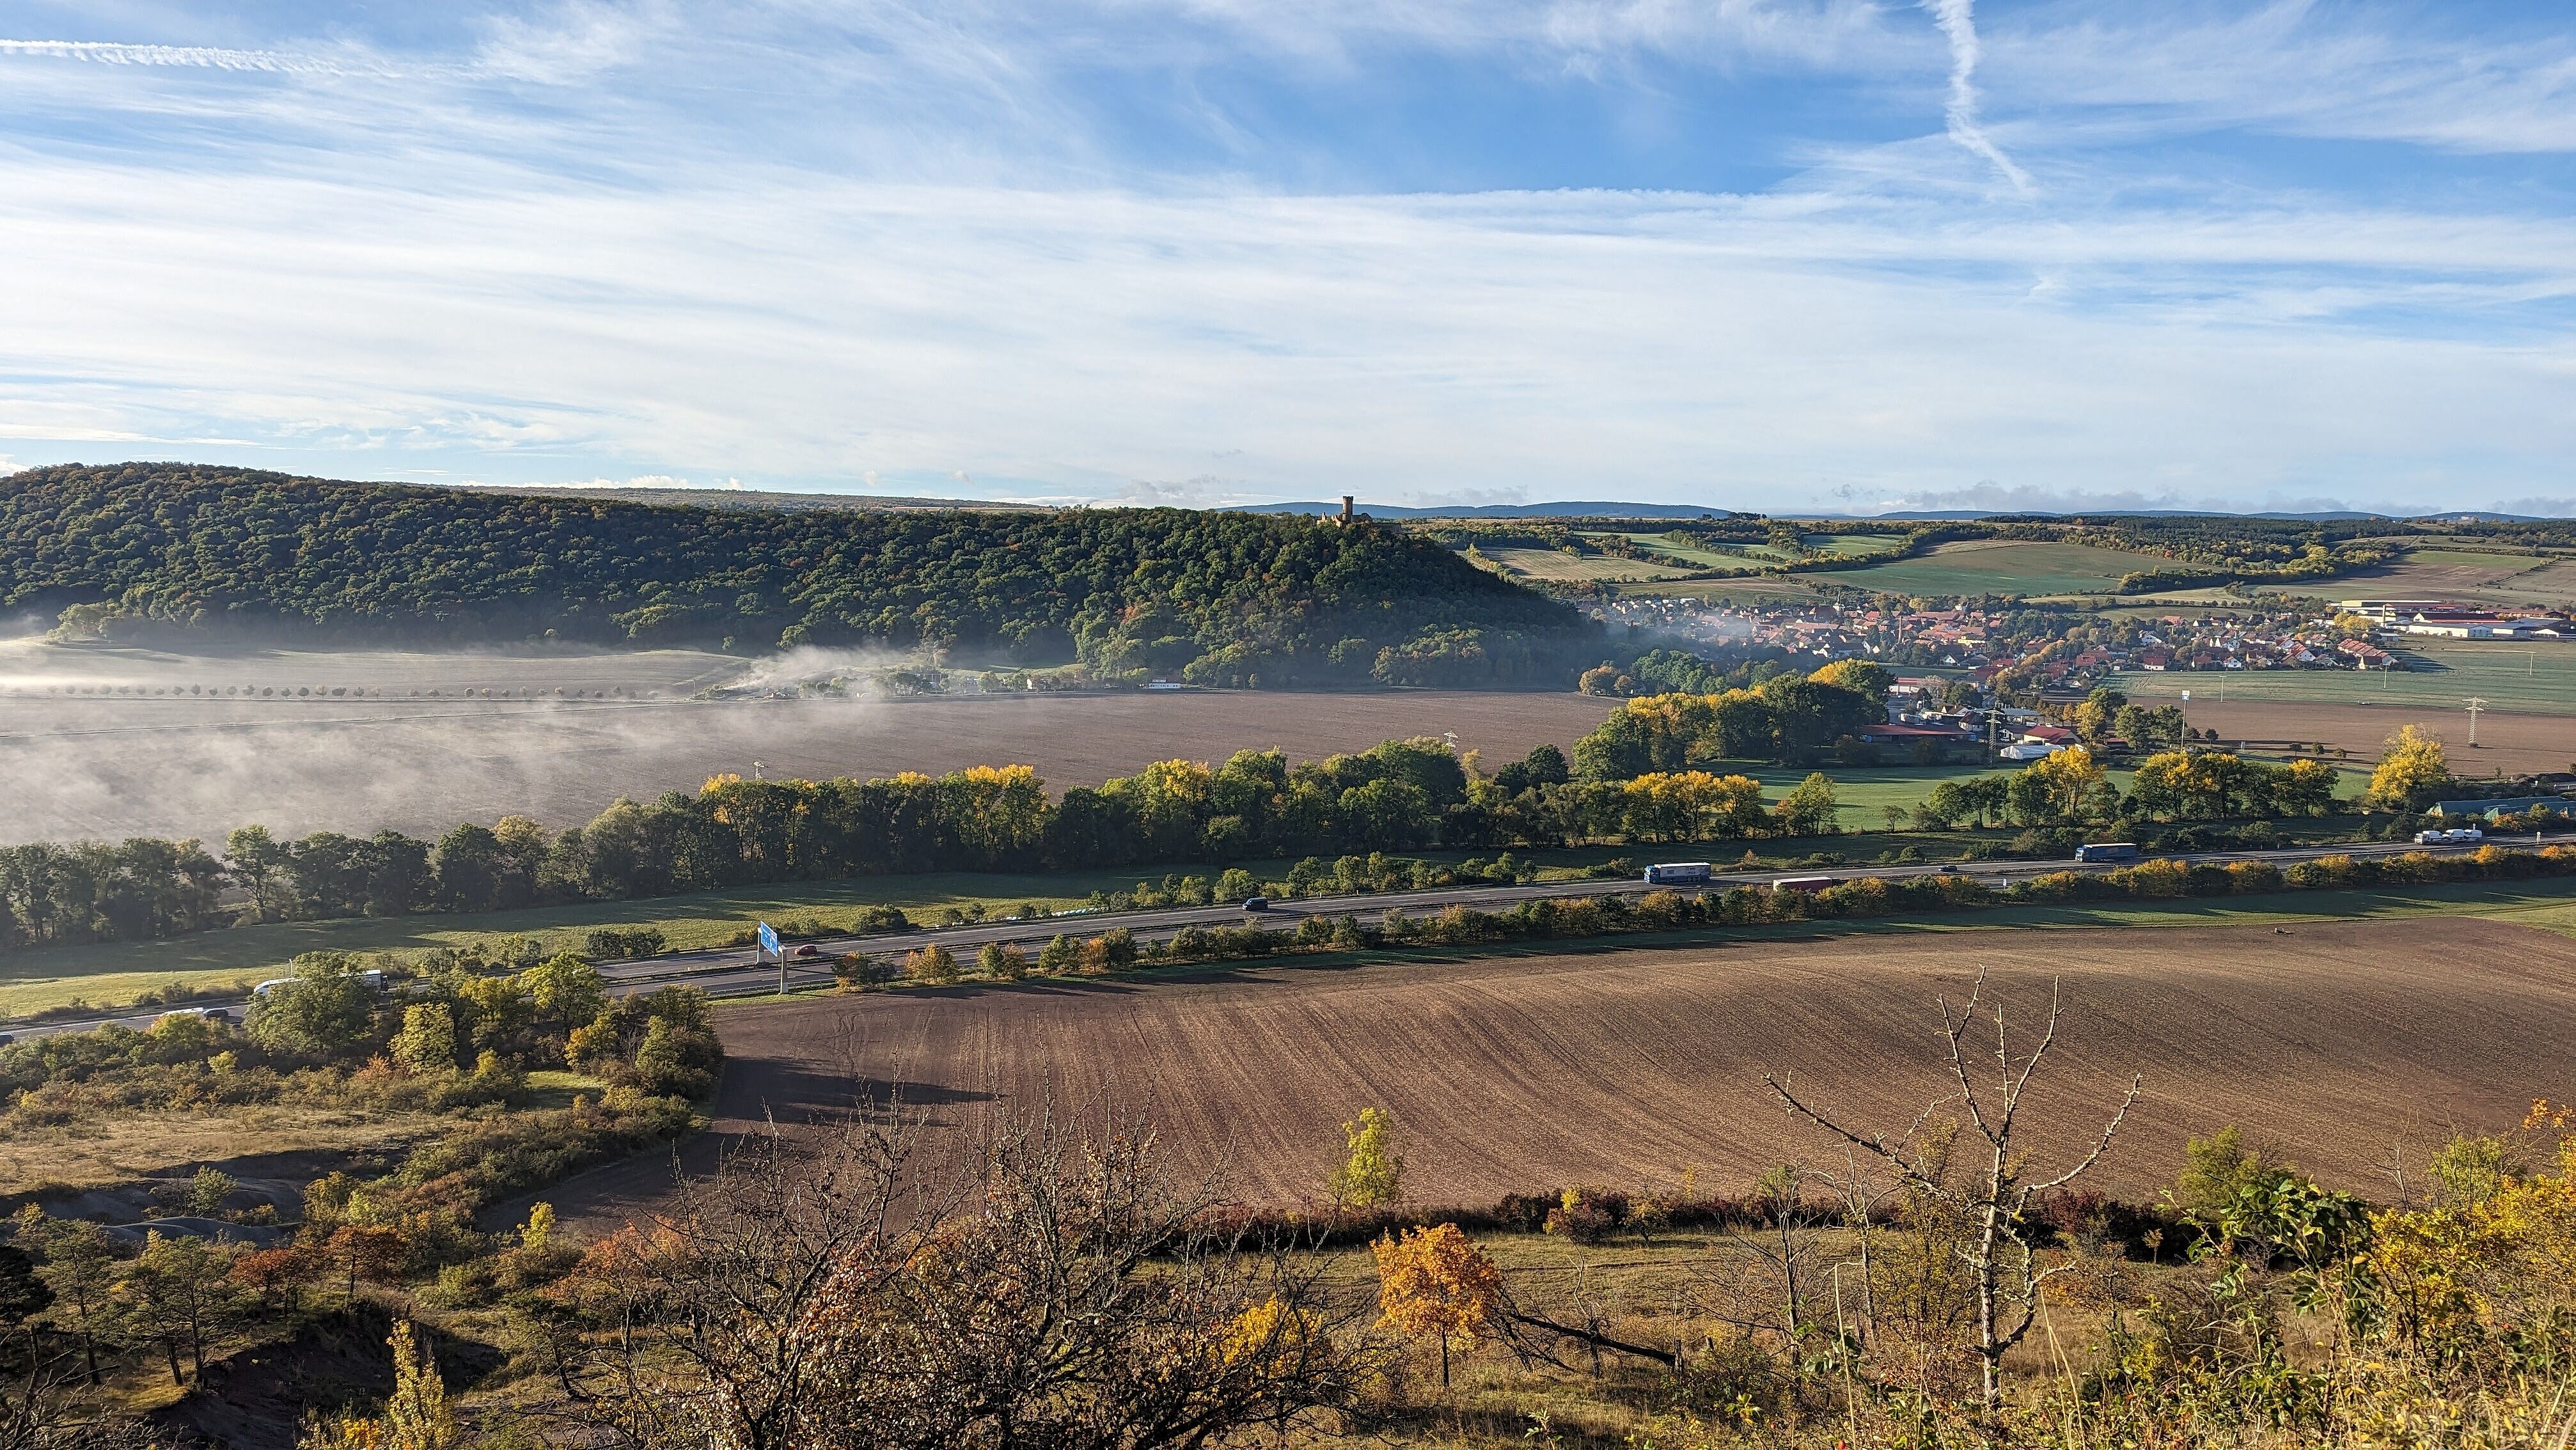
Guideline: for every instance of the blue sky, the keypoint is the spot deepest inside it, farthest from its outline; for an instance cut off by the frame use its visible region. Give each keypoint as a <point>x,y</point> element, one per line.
<point>1765,254</point>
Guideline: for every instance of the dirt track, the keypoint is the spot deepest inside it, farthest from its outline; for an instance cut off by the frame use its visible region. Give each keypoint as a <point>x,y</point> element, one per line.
<point>2333,1043</point>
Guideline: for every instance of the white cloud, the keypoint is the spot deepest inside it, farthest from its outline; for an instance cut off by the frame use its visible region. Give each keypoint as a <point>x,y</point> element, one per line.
<point>897,249</point>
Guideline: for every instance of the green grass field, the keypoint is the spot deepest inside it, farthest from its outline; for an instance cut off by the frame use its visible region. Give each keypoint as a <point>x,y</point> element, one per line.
<point>1550,564</point>
<point>1703,558</point>
<point>2537,679</point>
<point>1760,588</point>
<point>1851,546</point>
<point>2000,566</point>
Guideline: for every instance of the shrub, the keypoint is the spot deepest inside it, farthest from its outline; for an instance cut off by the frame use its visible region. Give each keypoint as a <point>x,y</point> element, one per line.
<point>667,1064</point>
<point>934,964</point>
<point>326,1010</point>
<point>427,1042</point>
<point>609,942</point>
<point>1002,963</point>
<point>882,918</point>
<point>1587,1215</point>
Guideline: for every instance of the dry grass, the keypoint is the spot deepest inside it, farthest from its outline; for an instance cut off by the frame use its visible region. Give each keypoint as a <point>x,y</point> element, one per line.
<point>2456,574</point>
<point>106,1149</point>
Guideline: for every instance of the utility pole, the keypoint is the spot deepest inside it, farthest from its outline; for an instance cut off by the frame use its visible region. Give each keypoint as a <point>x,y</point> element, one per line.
<point>2475,705</point>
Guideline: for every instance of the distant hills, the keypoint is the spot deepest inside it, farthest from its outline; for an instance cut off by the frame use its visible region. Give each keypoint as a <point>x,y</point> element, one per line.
<point>1567,508</point>
<point>1576,510</point>
<point>1212,597</point>
<point>746,498</point>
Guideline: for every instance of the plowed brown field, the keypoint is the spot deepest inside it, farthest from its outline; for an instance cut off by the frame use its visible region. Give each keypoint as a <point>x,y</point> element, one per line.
<point>2334,1043</point>
<point>2505,741</point>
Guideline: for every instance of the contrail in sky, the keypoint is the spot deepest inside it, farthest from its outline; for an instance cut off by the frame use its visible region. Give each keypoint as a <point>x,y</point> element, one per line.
<point>1961,27</point>
<point>105,52</point>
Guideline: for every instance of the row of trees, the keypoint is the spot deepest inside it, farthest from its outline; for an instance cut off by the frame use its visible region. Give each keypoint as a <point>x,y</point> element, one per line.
<point>1400,795</point>
<point>1404,794</point>
<point>2072,787</point>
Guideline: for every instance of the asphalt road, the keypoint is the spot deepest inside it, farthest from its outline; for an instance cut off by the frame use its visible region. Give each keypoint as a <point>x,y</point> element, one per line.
<point>731,972</point>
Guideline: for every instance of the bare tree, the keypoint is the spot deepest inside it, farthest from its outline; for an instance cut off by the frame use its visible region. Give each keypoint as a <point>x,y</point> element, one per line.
<point>693,1327</point>
<point>1042,1285</point>
<point>1763,1279</point>
<point>1996,1202</point>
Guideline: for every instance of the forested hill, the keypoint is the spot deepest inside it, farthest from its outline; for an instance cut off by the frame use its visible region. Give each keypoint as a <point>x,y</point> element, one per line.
<point>1224,598</point>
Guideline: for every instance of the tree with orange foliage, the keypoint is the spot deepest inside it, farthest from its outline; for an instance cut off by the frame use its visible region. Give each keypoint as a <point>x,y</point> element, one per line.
<point>278,1276</point>
<point>1433,1281</point>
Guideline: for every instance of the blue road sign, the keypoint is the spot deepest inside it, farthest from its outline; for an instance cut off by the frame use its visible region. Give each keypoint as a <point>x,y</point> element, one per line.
<point>768,939</point>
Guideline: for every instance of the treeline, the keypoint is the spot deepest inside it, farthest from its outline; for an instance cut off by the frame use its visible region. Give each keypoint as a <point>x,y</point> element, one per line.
<point>2173,785</point>
<point>1640,778</point>
<point>1400,795</point>
<point>1215,598</point>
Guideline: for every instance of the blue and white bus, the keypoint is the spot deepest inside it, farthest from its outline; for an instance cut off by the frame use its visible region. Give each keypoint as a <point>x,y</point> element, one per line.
<point>1678,873</point>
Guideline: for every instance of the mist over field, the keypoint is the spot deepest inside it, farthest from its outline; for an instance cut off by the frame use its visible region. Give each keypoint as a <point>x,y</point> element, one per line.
<point>103,743</point>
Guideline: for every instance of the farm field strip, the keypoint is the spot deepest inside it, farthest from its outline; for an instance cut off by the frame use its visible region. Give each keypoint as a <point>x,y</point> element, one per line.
<point>2469,575</point>
<point>2538,678</point>
<point>1551,564</point>
<point>2001,566</point>
<point>1624,1067</point>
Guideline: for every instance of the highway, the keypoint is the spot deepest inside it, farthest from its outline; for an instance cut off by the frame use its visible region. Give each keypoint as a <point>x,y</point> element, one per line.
<point>731,972</point>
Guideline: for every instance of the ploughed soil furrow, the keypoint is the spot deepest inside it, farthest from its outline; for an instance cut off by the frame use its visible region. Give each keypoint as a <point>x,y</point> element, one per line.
<point>2335,1044</point>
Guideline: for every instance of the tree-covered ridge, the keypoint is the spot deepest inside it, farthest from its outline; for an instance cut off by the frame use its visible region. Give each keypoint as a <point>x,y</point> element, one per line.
<point>1223,598</point>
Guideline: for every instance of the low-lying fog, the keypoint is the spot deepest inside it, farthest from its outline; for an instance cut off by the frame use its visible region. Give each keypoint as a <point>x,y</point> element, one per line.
<point>100,742</point>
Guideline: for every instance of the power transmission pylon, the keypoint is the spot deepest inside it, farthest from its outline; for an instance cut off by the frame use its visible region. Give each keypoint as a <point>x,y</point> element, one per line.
<point>2475,705</point>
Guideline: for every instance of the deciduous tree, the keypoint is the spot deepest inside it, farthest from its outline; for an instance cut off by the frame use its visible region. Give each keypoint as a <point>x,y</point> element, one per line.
<point>1433,1281</point>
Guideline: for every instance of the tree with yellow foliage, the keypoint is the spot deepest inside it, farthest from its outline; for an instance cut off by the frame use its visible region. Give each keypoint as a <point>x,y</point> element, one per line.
<point>2413,772</point>
<point>1690,805</point>
<point>1433,1281</point>
<point>1372,1172</point>
<point>1867,677</point>
<point>417,1416</point>
<point>2057,787</point>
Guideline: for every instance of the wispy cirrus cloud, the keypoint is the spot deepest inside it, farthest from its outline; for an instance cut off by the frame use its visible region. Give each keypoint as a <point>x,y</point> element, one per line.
<point>194,57</point>
<point>1958,23</point>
